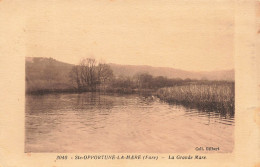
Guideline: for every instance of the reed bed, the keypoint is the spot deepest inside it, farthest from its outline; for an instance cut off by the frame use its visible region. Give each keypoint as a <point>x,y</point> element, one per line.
<point>212,95</point>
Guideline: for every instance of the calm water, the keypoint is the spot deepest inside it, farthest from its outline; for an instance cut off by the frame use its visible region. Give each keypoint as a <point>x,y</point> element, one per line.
<point>90,122</point>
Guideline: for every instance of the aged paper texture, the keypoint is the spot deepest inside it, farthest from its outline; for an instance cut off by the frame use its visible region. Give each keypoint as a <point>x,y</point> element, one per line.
<point>129,83</point>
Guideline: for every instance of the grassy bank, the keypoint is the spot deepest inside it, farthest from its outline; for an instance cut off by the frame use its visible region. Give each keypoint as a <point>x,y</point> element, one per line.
<point>219,96</point>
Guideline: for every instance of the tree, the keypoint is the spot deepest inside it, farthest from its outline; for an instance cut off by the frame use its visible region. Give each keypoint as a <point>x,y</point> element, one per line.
<point>104,73</point>
<point>75,76</point>
<point>144,80</point>
<point>87,75</point>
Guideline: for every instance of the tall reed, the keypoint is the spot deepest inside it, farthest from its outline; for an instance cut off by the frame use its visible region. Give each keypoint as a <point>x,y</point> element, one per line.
<point>214,95</point>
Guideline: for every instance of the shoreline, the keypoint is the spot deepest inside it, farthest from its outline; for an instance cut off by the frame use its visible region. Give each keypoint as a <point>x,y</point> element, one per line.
<point>219,98</point>
<point>110,90</point>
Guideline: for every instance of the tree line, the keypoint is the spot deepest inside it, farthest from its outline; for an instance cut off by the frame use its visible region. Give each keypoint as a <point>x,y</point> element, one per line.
<point>89,75</point>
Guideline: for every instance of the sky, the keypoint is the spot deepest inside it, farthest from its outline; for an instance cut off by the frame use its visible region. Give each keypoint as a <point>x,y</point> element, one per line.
<point>194,35</point>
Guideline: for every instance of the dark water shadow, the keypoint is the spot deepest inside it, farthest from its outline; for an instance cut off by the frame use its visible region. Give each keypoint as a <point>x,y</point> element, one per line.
<point>211,110</point>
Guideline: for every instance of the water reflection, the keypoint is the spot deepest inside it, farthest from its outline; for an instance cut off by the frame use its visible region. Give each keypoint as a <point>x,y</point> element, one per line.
<point>212,112</point>
<point>93,122</point>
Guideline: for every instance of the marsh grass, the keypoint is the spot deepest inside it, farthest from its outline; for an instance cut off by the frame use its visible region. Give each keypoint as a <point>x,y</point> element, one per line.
<point>211,96</point>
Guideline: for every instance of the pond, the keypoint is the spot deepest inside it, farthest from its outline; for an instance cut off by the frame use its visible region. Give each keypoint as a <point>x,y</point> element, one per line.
<point>106,123</point>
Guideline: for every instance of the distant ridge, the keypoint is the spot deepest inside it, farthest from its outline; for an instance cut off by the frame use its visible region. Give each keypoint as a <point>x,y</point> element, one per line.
<point>36,65</point>
<point>130,70</point>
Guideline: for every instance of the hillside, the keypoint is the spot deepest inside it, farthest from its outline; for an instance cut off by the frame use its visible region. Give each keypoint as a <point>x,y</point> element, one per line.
<point>47,73</point>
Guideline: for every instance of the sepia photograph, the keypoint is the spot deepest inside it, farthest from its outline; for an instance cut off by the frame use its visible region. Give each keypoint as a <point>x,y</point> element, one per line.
<point>123,83</point>
<point>130,77</point>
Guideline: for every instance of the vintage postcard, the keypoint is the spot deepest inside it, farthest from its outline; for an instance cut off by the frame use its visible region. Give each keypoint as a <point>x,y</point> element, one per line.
<point>130,83</point>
